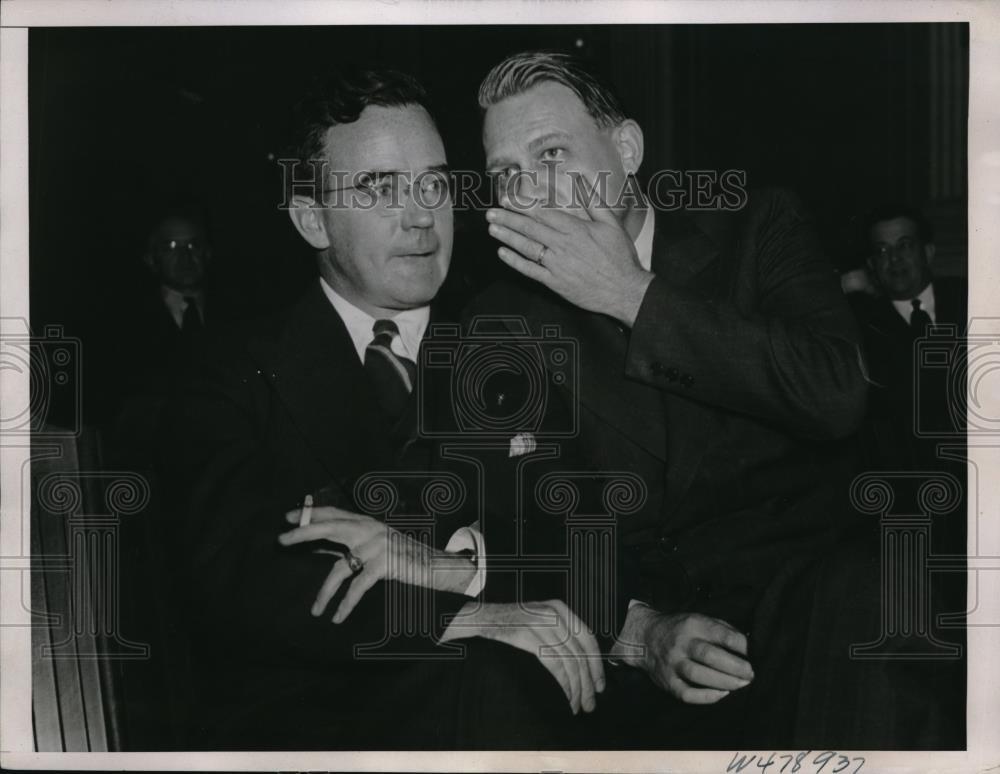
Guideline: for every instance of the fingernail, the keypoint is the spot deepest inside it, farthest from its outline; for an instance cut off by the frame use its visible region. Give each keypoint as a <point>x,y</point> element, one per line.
<point>491,215</point>
<point>493,229</point>
<point>316,610</point>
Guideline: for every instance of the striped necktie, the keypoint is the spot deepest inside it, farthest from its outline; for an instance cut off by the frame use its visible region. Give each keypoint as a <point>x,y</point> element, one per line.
<point>392,376</point>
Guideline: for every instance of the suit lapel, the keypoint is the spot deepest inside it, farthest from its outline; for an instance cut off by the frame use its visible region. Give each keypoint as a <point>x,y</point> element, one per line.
<point>681,251</point>
<point>630,408</point>
<point>952,304</point>
<point>317,375</point>
<point>684,254</point>
<point>887,322</point>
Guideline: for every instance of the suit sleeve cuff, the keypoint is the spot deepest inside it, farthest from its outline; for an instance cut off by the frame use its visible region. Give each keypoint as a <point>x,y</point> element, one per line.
<point>471,539</point>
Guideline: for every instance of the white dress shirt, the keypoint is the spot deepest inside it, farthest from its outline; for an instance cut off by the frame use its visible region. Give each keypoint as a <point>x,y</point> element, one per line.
<point>644,242</point>
<point>412,324</point>
<point>905,307</point>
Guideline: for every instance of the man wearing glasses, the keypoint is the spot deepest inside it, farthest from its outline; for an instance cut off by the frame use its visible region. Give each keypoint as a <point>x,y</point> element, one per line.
<point>304,608</point>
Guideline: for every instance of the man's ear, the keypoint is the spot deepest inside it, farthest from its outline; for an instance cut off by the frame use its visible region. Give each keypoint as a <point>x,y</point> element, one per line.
<point>929,250</point>
<point>627,137</point>
<point>308,222</point>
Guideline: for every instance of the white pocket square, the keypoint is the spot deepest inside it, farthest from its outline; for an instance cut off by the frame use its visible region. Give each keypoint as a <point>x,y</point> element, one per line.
<point>522,443</point>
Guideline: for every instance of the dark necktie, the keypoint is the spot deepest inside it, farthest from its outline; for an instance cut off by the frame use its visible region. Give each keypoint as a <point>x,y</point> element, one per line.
<point>392,376</point>
<point>919,319</point>
<point>191,323</point>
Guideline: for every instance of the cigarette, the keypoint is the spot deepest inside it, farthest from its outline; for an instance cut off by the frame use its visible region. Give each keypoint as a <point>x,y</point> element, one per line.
<point>307,511</point>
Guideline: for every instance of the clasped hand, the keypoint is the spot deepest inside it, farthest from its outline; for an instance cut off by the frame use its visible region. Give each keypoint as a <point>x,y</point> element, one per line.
<point>697,659</point>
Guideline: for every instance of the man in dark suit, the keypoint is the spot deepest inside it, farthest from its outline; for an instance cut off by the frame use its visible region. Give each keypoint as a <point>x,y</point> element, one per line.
<point>338,635</point>
<point>908,302</point>
<point>152,331</point>
<point>913,328</point>
<point>720,363</point>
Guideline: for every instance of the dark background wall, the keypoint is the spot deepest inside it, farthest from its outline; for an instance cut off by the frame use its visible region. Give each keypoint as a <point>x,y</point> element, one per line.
<point>125,121</point>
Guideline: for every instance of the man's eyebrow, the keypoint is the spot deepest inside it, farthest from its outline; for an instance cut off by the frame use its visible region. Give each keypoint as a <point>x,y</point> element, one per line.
<point>379,174</point>
<point>534,145</point>
<point>545,139</point>
<point>499,162</point>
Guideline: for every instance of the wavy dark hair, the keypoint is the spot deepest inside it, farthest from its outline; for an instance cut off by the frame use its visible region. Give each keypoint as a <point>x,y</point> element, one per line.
<point>892,211</point>
<point>519,72</point>
<point>339,98</point>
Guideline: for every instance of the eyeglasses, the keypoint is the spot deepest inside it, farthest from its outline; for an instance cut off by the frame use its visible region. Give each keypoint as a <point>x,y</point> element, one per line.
<point>191,246</point>
<point>905,246</point>
<point>384,192</point>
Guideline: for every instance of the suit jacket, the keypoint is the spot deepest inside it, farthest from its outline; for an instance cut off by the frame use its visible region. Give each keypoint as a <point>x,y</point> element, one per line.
<point>899,434</point>
<point>730,398</point>
<point>268,414</point>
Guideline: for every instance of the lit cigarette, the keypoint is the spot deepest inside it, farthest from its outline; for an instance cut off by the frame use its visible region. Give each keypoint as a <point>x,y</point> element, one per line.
<point>307,511</point>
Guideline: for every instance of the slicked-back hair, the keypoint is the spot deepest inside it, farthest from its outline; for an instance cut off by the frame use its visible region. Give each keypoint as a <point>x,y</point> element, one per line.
<point>896,210</point>
<point>519,72</point>
<point>341,97</point>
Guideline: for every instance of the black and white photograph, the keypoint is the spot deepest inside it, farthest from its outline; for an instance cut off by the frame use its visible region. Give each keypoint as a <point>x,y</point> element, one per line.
<point>536,387</point>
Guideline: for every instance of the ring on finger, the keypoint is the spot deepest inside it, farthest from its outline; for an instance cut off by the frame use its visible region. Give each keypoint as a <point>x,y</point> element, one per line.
<point>354,563</point>
<point>540,260</point>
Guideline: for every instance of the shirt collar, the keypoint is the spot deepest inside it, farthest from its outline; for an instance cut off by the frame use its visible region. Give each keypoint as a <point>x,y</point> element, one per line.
<point>905,306</point>
<point>412,324</point>
<point>176,302</point>
<point>644,242</point>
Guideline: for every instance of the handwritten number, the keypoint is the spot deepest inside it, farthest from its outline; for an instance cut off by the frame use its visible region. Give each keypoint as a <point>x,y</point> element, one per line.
<point>740,762</point>
<point>826,756</point>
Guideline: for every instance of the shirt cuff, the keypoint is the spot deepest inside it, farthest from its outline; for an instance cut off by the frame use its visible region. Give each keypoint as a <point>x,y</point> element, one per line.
<point>471,539</point>
<point>631,603</point>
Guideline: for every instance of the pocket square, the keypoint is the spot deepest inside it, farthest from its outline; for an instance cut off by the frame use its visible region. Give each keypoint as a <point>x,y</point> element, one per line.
<point>522,443</point>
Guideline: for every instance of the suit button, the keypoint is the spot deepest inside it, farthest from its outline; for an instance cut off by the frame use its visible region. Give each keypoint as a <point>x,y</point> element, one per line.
<point>687,380</point>
<point>672,374</point>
